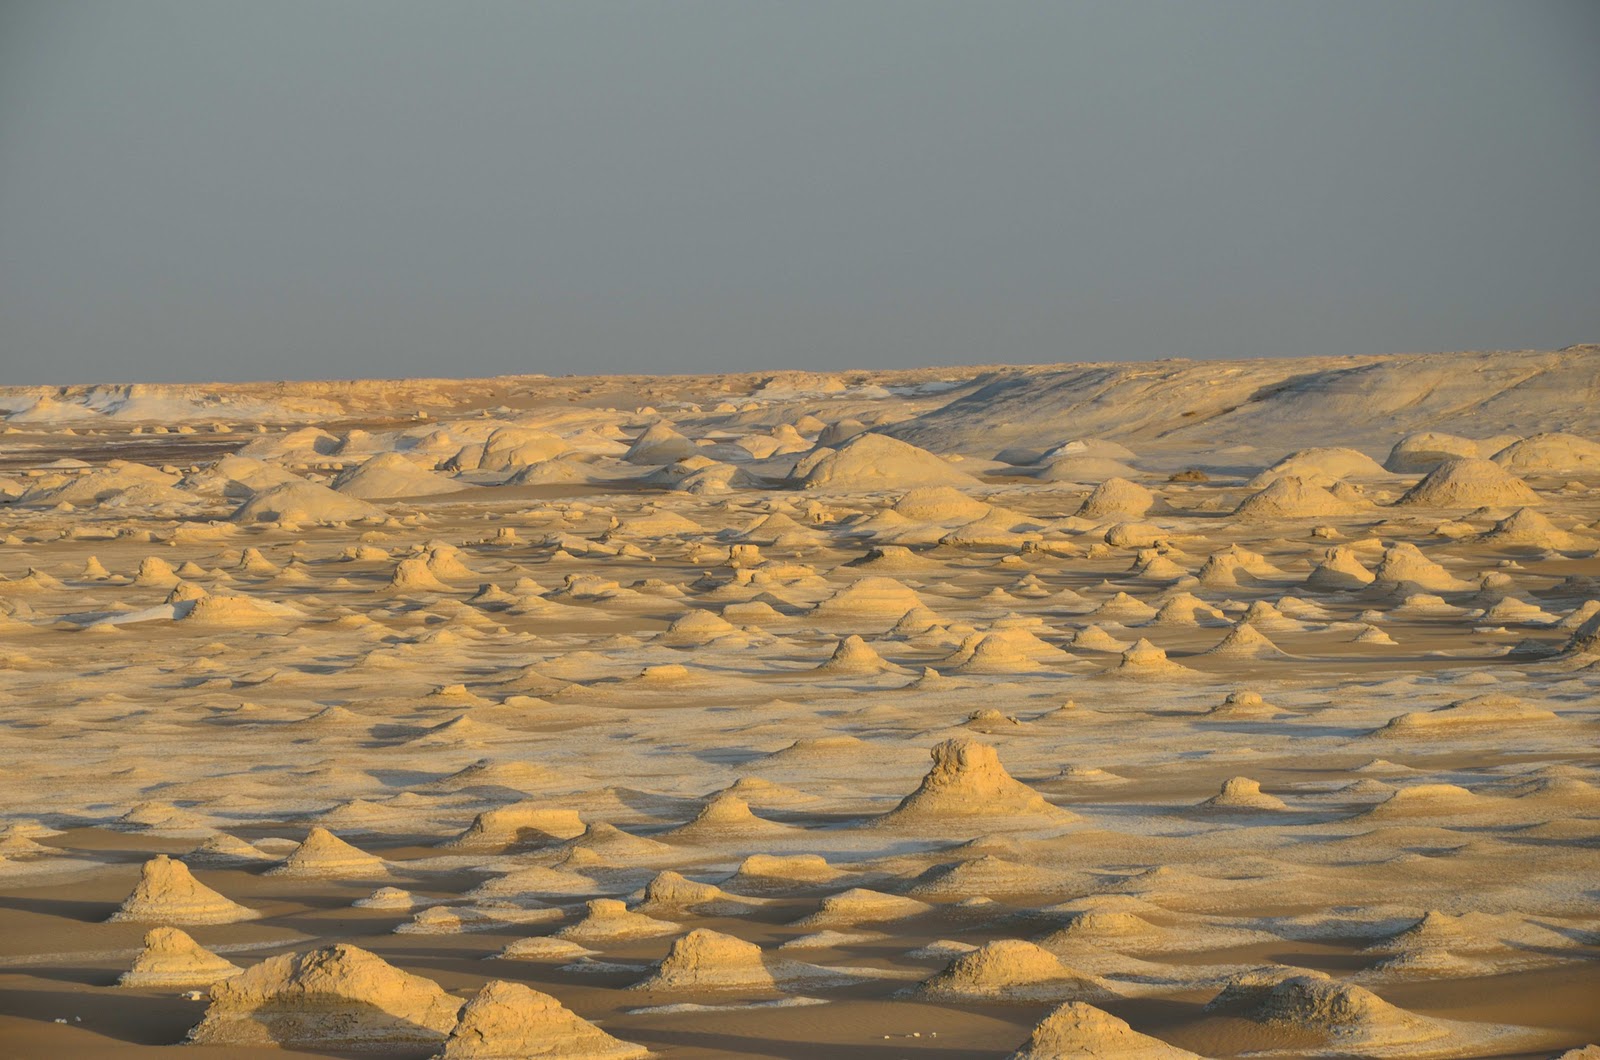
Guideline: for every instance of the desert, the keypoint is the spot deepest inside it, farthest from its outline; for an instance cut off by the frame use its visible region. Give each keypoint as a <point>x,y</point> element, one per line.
<point>1160,709</point>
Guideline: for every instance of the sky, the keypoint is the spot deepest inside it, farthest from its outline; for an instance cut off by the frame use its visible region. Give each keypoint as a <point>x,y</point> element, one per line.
<point>218,190</point>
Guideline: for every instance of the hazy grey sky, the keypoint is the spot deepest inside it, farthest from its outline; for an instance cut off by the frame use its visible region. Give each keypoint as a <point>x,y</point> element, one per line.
<point>246,190</point>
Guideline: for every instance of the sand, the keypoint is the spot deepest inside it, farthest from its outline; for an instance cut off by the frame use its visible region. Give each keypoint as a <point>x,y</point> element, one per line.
<point>1177,709</point>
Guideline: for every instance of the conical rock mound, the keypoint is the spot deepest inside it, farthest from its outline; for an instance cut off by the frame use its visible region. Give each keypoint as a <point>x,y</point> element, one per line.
<point>695,628</point>
<point>303,502</point>
<point>324,855</point>
<point>1423,451</point>
<point>1245,641</point>
<point>1292,497</point>
<point>1585,640</point>
<point>673,893</point>
<point>1243,704</point>
<point>876,462</point>
<point>778,872</point>
<point>859,905</point>
<point>392,475</point>
<point>871,598</point>
<point>1555,451</point>
<point>520,822</point>
<point>966,781</point>
<point>939,504</point>
<point>1009,970</point>
<point>855,656</point>
<point>509,1021</point>
<point>660,444</point>
<point>341,997</point>
<point>1078,1031</point>
<point>1467,482</point>
<point>234,611</point>
<point>1526,528</point>
<point>608,920</point>
<point>171,958</point>
<point>1146,660</point>
<point>1405,565</point>
<point>1093,638</point>
<point>1426,800</point>
<point>988,876</point>
<point>617,845</point>
<point>709,960</point>
<point>1339,570</point>
<point>1242,793</point>
<point>413,575</point>
<point>1322,464</point>
<point>1116,496</point>
<point>1004,651</point>
<point>225,849</point>
<point>167,893</point>
<point>156,571</point>
<point>1493,711</point>
<point>1313,1006</point>
<point>725,817</point>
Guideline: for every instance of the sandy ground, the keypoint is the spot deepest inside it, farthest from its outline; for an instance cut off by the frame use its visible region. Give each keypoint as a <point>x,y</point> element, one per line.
<point>630,627</point>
